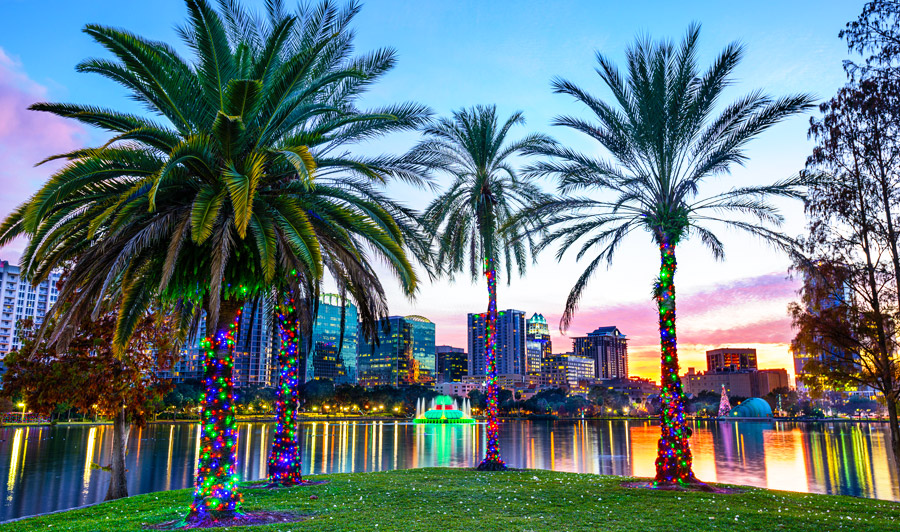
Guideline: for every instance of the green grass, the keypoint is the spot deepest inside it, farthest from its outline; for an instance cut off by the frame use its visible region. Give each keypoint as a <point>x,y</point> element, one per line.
<point>445,500</point>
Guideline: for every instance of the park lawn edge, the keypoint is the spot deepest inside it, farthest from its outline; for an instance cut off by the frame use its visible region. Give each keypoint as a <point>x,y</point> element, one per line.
<point>452,499</point>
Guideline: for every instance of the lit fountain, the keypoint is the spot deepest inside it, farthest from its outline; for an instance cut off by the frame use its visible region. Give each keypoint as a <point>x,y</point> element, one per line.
<point>443,410</point>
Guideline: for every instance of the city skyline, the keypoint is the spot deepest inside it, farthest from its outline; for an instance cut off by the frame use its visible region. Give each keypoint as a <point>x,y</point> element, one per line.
<point>741,301</point>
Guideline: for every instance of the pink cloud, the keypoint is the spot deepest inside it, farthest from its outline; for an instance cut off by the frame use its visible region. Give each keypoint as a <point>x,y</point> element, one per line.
<point>27,137</point>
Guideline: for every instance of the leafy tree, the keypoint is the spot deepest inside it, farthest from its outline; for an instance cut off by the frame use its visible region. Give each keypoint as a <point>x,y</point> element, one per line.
<point>90,376</point>
<point>850,298</point>
<point>665,141</point>
<point>876,35</point>
<point>220,198</point>
<point>486,194</point>
<point>787,398</point>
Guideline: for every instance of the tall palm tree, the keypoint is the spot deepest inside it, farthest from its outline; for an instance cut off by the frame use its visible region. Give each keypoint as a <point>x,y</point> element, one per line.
<point>486,194</point>
<point>341,178</point>
<point>220,197</point>
<point>665,140</point>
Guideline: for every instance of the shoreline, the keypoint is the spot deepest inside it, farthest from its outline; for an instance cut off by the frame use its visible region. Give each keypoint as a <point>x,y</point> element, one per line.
<point>480,419</point>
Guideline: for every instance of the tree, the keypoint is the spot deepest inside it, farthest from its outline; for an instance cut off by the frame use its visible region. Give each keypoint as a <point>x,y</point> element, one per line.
<point>850,298</point>
<point>665,142</point>
<point>471,219</point>
<point>342,179</point>
<point>724,403</point>
<point>89,376</point>
<point>214,202</point>
<point>877,33</point>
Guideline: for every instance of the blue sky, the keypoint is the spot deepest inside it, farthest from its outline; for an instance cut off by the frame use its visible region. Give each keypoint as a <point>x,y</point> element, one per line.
<point>454,54</point>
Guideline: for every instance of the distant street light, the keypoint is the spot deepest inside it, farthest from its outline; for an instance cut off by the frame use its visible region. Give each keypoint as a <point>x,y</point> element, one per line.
<point>22,406</point>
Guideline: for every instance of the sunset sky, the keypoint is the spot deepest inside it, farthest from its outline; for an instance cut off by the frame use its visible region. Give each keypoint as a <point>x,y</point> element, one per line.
<point>455,54</point>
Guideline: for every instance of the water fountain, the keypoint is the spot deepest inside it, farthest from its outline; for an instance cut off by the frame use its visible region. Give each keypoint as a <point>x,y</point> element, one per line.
<point>443,410</point>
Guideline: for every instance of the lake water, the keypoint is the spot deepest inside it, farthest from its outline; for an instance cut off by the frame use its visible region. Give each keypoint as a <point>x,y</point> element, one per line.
<point>49,468</point>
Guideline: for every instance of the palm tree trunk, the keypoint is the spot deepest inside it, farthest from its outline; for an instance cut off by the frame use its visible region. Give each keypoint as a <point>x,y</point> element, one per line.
<point>673,462</point>
<point>492,461</point>
<point>216,495</point>
<point>284,459</point>
<point>118,484</point>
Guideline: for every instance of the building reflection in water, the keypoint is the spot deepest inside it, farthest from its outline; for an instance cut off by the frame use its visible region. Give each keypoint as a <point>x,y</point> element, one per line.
<point>49,468</point>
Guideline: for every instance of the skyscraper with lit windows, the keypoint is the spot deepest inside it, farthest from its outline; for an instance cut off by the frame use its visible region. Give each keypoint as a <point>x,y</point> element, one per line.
<point>537,343</point>
<point>330,356</point>
<point>403,355</point>
<point>510,340</point>
<point>19,300</point>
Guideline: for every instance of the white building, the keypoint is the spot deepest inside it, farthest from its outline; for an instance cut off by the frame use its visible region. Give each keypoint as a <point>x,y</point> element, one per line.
<point>459,389</point>
<point>20,300</point>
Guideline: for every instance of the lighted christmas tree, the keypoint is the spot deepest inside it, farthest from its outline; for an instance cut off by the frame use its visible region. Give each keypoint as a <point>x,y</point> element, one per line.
<point>724,403</point>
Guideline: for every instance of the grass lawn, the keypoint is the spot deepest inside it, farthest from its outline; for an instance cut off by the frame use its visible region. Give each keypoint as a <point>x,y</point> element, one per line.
<point>444,500</point>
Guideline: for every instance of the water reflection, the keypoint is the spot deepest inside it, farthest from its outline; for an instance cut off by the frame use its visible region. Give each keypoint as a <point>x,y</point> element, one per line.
<point>49,468</point>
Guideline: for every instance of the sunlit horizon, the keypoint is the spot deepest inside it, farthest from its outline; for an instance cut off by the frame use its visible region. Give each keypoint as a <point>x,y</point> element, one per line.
<point>465,53</point>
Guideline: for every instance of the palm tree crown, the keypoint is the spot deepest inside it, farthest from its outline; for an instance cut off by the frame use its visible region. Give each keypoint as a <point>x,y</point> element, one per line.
<point>237,181</point>
<point>481,215</point>
<point>470,218</point>
<point>665,139</point>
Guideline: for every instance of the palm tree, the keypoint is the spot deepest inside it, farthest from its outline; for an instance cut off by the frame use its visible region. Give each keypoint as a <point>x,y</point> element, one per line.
<point>486,193</point>
<point>665,141</point>
<point>221,198</point>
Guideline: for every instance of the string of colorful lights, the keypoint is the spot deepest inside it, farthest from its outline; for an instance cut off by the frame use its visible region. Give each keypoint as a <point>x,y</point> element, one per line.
<point>492,459</point>
<point>216,492</point>
<point>284,465</point>
<point>673,462</point>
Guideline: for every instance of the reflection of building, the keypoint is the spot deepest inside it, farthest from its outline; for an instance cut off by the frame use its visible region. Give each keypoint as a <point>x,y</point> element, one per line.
<point>608,347</point>
<point>737,383</point>
<point>403,355</point>
<point>333,357</point>
<point>510,338</point>
<point>452,363</point>
<point>537,343</point>
<point>19,300</point>
<point>731,359</point>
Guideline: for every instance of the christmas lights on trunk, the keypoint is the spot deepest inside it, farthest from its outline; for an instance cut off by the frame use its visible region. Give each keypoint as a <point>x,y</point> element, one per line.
<point>216,495</point>
<point>492,461</point>
<point>284,465</point>
<point>673,462</point>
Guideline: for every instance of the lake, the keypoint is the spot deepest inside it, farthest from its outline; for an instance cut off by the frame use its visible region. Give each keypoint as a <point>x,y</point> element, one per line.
<point>49,468</point>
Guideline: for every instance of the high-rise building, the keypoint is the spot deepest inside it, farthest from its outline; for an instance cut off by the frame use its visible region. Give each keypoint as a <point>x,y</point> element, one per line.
<point>731,359</point>
<point>333,357</point>
<point>746,383</point>
<point>452,363</point>
<point>403,355</point>
<point>566,369</point>
<point>19,301</point>
<point>253,348</point>
<point>510,342</point>
<point>840,294</point>
<point>608,347</point>
<point>253,351</point>
<point>537,343</point>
